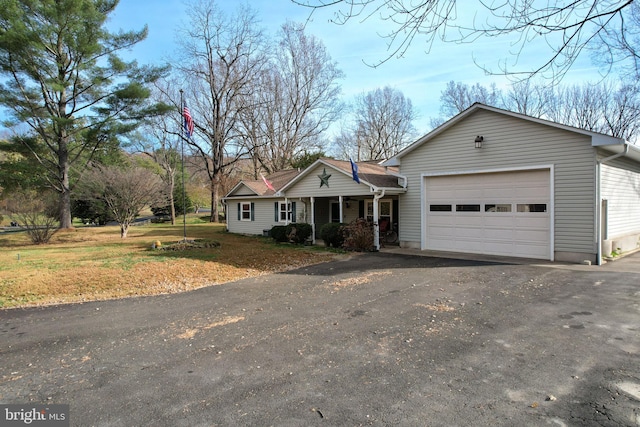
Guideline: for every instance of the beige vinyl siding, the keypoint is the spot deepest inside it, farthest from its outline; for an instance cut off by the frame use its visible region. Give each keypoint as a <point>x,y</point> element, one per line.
<point>510,143</point>
<point>264,216</point>
<point>339,184</point>
<point>621,188</point>
<point>243,190</point>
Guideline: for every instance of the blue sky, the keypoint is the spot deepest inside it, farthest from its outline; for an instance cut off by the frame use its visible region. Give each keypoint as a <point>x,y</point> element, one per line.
<point>420,76</point>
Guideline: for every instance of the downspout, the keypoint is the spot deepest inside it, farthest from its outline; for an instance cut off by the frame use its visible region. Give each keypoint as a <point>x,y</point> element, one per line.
<point>313,220</point>
<point>226,213</point>
<point>599,164</point>
<point>376,226</point>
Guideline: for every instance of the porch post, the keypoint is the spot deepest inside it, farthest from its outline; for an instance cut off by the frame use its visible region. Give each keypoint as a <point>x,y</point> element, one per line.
<point>313,220</point>
<point>376,219</point>
<point>286,208</point>
<point>341,213</point>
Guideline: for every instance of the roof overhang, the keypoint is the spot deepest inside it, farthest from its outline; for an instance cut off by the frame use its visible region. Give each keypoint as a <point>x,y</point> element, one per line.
<point>627,150</point>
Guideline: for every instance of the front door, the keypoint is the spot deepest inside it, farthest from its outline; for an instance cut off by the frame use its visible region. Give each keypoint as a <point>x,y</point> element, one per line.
<point>335,212</point>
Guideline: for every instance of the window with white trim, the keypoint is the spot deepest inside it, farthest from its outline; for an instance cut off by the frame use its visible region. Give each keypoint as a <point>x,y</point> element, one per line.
<point>285,212</point>
<point>245,212</point>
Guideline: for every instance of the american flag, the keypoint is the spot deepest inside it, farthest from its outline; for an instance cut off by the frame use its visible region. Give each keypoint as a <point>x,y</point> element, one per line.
<point>188,121</point>
<point>268,183</point>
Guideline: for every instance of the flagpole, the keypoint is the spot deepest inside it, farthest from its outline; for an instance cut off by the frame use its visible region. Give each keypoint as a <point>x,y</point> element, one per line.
<point>184,207</point>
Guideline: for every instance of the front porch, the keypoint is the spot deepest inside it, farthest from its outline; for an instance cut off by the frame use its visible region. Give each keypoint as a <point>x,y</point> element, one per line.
<point>318,211</point>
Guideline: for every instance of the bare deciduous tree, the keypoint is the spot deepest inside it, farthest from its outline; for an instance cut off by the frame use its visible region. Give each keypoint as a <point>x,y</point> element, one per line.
<point>457,97</point>
<point>569,27</point>
<point>380,125</point>
<point>32,210</point>
<point>529,98</point>
<point>221,57</point>
<point>383,123</point>
<point>125,191</point>
<point>606,107</point>
<point>162,146</point>
<point>296,100</point>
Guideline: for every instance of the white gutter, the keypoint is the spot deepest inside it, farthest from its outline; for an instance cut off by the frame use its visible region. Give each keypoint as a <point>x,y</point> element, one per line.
<point>402,177</point>
<point>599,199</point>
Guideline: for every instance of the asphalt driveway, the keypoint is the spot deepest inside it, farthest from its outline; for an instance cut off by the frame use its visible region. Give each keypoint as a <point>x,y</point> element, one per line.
<point>378,339</point>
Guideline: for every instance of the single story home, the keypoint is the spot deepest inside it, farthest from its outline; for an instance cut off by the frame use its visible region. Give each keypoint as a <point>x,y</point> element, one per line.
<point>488,181</point>
<point>324,192</point>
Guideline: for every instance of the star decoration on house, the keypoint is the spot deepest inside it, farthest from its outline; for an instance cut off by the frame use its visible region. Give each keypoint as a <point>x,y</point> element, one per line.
<point>324,178</point>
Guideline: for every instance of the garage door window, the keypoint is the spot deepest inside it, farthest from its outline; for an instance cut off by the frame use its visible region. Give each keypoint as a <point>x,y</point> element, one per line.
<point>467,208</point>
<point>532,207</point>
<point>440,208</point>
<point>497,208</point>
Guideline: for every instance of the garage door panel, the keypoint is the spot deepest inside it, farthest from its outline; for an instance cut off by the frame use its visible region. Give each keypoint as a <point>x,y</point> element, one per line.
<point>468,193</point>
<point>532,251</point>
<point>497,228</point>
<point>463,220</point>
<point>442,230</point>
<point>468,233</point>
<point>502,248</point>
<point>532,224</point>
<point>499,193</point>
<point>444,244</point>
<point>497,235</point>
<point>496,220</point>
<point>474,246</point>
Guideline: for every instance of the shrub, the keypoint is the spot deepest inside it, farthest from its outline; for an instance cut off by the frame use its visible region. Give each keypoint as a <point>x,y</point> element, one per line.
<point>91,211</point>
<point>358,235</point>
<point>34,212</point>
<point>279,233</point>
<point>332,234</point>
<point>301,234</point>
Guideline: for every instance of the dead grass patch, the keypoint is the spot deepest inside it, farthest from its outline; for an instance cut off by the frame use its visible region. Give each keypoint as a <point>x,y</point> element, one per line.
<point>436,307</point>
<point>359,280</point>
<point>94,263</point>
<point>191,332</point>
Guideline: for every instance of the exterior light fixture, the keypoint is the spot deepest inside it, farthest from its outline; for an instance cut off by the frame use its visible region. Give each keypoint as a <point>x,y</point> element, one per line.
<point>479,140</point>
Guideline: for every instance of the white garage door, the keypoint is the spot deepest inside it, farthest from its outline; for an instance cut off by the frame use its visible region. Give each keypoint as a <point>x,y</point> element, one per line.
<point>498,213</point>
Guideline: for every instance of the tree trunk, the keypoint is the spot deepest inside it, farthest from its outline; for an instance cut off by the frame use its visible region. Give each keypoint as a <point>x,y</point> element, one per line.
<point>124,229</point>
<point>65,193</point>
<point>214,201</point>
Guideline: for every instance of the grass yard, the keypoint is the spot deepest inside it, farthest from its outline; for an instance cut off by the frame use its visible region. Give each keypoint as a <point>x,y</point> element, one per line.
<point>94,263</point>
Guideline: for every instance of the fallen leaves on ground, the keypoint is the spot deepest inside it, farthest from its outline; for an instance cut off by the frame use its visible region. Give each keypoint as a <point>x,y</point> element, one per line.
<point>95,264</point>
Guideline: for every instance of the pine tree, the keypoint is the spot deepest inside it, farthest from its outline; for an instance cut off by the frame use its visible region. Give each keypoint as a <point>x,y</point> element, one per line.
<point>62,77</point>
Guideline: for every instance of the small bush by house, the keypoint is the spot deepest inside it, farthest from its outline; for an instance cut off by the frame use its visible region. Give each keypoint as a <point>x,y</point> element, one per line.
<point>278,233</point>
<point>332,234</point>
<point>358,236</point>
<point>299,232</point>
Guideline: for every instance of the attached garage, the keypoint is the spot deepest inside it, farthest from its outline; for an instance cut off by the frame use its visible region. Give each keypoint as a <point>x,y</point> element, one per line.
<point>507,213</point>
<point>491,181</point>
